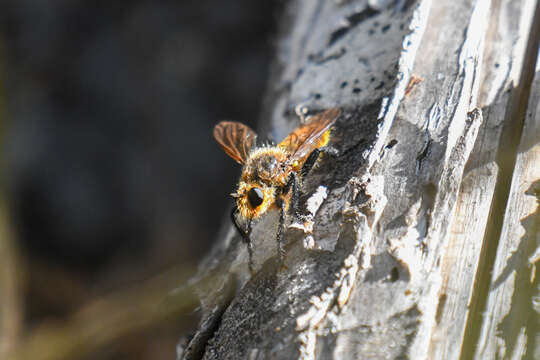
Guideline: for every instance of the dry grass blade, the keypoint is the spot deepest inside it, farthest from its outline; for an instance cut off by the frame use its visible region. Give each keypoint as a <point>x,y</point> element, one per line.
<point>105,320</point>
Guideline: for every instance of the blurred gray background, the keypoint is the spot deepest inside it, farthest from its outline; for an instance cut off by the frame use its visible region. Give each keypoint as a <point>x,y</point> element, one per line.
<point>111,172</point>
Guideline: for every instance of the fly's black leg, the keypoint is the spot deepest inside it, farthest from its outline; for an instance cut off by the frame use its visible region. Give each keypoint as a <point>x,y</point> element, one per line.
<point>314,156</point>
<point>250,248</point>
<point>241,231</point>
<point>310,162</point>
<point>292,186</point>
<point>245,234</point>
<point>281,246</point>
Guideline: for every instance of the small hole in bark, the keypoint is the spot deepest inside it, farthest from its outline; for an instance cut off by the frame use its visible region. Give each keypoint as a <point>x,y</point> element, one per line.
<point>391,144</point>
<point>344,84</point>
<point>385,28</point>
<point>317,96</point>
<point>380,86</point>
<point>356,90</point>
<point>394,274</point>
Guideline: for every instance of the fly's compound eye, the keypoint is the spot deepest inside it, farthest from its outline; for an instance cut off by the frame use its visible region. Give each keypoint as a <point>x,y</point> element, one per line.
<point>255,197</point>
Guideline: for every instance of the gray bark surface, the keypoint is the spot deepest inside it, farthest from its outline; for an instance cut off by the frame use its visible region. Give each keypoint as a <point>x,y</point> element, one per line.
<point>401,230</point>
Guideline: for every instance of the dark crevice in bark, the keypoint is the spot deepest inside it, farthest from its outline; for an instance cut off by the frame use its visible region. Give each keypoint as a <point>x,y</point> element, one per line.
<point>210,322</point>
<point>320,59</point>
<point>352,21</point>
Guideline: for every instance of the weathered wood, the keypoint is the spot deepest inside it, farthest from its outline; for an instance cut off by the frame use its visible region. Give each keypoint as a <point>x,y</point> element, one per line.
<point>384,264</point>
<point>511,324</point>
<point>507,34</point>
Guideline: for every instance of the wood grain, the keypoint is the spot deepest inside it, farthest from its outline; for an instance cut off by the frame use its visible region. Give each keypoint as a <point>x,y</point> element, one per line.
<point>394,264</point>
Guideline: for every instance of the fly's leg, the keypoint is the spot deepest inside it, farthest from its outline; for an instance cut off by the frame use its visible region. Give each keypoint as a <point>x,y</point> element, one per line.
<point>242,232</point>
<point>250,248</point>
<point>292,186</point>
<point>310,162</point>
<point>281,246</point>
<point>245,234</point>
<point>314,156</point>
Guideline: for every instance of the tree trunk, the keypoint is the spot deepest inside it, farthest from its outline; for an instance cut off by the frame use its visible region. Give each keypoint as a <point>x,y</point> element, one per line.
<point>418,235</point>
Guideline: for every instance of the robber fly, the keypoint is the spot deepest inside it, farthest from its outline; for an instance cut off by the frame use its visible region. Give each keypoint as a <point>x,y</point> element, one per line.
<point>271,175</point>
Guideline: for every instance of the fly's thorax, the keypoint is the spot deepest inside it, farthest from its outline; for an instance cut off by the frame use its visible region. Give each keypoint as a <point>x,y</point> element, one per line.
<point>266,165</point>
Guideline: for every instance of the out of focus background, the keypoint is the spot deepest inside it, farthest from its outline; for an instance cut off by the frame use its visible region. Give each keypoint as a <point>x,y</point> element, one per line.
<point>109,172</point>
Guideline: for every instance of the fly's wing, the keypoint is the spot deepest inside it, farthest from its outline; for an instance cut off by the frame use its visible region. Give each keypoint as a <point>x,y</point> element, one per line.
<point>235,138</point>
<point>302,141</point>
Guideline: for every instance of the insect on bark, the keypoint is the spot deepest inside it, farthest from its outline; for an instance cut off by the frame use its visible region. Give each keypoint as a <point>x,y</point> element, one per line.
<point>271,175</point>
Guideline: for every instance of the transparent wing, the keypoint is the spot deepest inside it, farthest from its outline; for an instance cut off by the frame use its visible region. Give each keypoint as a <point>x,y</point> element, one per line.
<point>235,138</point>
<point>301,142</point>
